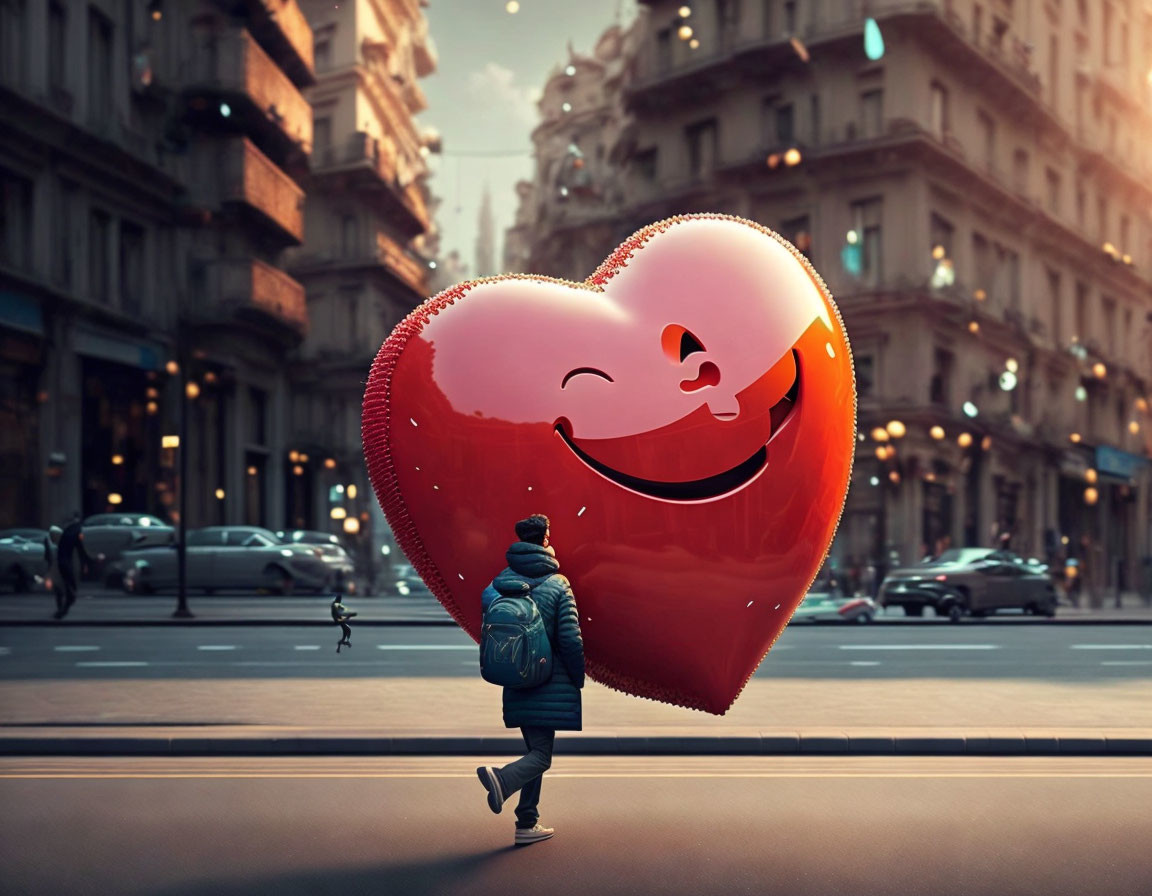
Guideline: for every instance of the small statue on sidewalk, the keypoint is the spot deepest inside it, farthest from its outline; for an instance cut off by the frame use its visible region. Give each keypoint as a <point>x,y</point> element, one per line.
<point>341,615</point>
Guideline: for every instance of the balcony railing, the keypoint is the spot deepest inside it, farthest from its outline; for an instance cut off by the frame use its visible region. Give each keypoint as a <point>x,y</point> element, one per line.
<point>403,265</point>
<point>282,30</point>
<point>233,64</point>
<point>250,179</point>
<point>249,285</point>
<point>361,150</point>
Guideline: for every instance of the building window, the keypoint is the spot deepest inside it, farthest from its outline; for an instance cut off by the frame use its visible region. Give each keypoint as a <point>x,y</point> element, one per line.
<point>258,416</point>
<point>321,136</point>
<point>99,66</point>
<point>1102,217</point>
<point>131,268</point>
<point>814,118</point>
<point>798,231</point>
<point>982,262</point>
<point>99,240</point>
<point>1124,233</point>
<point>789,17</point>
<point>941,123</point>
<point>645,161</point>
<point>1081,208</point>
<point>865,375</point>
<point>1110,326</point>
<point>866,221</point>
<point>1020,171</point>
<point>15,220</point>
<point>701,147</point>
<point>64,236</point>
<point>1082,334</point>
<point>1057,302</point>
<point>727,15</point>
<point>940,232</point>
<point>1052,181</point>
<point>663,49</point>
<point>12,41</point>
<point>1126,336</point>
<point>349,236</point>
<point>1008,276</point>
<point>785,124</point>
<point>940,387</point>
<point>57,46</point>
<point>987,139</point>
<point>322,48</point>
<point>1053,68</point>
<point>872,113</point>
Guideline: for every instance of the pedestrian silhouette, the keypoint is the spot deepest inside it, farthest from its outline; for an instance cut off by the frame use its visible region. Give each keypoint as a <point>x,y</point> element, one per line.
<point>69,544</point>
<point>341,615</point>
<point>540,711</point>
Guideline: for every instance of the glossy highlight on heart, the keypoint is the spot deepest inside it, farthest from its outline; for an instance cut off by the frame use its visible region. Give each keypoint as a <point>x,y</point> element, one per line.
<point>685,417</point>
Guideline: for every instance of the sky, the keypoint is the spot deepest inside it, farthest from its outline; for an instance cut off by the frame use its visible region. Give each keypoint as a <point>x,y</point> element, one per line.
<point>491,68</point>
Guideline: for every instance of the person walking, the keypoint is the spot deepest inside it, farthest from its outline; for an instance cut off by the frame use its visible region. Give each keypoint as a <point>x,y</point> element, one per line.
<point>52,565</point>
<point>71,544</point>
<point>553,706</point>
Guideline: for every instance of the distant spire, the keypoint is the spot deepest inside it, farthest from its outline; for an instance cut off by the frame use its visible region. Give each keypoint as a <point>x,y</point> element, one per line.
<point>485,237</point>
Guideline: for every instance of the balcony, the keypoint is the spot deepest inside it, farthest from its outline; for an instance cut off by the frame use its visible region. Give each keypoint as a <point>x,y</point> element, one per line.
<point>281,29</point>
<point>250,291</point>
<point>365,163</point>
<point>230,67</point>
<point>253,183</point>
<point>368,252</point>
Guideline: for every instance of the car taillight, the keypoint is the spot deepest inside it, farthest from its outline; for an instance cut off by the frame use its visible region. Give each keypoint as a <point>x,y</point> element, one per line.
<point>941,578</point>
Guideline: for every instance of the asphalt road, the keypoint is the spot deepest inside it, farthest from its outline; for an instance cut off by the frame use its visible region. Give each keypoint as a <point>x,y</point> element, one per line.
<point>1082,654</point>
<point>644,825</point>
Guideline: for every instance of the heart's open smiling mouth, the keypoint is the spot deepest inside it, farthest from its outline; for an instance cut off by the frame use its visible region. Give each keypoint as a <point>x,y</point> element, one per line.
<point>698,489</point>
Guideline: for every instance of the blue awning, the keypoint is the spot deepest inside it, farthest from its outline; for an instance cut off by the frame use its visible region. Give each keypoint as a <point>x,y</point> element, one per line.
<point>21,312</point>
<point>1114,462</point>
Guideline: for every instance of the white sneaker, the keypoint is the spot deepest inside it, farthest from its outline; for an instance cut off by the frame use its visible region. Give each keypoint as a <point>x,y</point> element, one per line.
<point>524,836</point>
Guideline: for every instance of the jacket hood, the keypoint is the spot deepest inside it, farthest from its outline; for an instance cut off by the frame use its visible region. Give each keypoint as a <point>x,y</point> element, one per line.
<point>54,534</point>
<point>508,583</point>
<point>532,561</point>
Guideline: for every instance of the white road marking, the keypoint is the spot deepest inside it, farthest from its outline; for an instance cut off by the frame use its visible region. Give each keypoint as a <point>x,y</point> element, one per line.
<point>919,647</point>
<point>1111,646</point>
<point>307,646</point>
<point>1126,663</point>
<point>215,646</point>
<point>109,663</point>
<point>4,651</point>
<point>74,648</point>
<point>426,647</point>
<point>863,663</point>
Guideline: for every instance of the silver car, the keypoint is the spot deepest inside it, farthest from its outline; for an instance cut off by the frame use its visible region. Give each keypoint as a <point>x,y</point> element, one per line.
<point>108,535</point>
<point>340,565</point>
<point>228,558</point>
<point>22,563</point>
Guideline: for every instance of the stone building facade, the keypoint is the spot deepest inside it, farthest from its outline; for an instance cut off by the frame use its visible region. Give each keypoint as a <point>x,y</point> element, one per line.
<point>369,238</point>
<point>151,157</point>
<point>978,197</point>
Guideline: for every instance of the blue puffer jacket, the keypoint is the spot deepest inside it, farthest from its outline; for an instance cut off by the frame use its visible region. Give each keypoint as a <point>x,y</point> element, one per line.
<point>556,703</point>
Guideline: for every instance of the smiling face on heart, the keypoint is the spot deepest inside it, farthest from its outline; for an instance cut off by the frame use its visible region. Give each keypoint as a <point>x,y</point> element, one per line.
<point>686,418</point>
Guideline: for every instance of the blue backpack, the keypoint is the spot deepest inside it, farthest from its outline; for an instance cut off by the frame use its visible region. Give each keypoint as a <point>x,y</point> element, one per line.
<point>514,648</point>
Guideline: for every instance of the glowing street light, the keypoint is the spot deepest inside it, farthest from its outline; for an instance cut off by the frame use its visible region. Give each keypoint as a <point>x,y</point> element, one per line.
<point>896,429</point>
<point>880,434</point>
<point>970,410</point>
<point>964,439</point>
<point>1090,476</point>
<point>1091,495</point>
<point>937,432</point>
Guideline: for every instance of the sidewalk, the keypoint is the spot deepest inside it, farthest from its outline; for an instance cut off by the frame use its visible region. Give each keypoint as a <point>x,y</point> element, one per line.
<point>460,715</point>
<point>98,608</point>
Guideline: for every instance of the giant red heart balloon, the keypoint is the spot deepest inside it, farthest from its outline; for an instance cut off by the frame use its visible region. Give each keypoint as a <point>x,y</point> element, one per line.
<point>685,417</point>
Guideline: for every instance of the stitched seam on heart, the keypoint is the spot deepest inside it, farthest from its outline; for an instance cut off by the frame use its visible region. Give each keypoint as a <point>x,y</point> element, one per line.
<point>376,429</point>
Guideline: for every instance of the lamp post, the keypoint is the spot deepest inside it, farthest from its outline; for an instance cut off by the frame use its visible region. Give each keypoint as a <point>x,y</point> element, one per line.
<point>182,611</point>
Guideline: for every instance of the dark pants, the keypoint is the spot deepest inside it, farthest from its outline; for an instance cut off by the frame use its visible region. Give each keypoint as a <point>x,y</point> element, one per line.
<point>526,774</point>
<point>65,589</point>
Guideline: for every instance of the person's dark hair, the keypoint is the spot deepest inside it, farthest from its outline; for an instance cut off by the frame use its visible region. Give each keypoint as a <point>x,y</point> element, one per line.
<point>532,529</point>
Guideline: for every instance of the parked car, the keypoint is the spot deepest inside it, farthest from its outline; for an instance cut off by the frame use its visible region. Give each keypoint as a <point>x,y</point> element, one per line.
<point>22,564</point>
<point>108,535</point>
<point>971,580</point>
<point>409,583</point>
<point>223,558</point>
<point>820,606</point>
<point>340,565</point>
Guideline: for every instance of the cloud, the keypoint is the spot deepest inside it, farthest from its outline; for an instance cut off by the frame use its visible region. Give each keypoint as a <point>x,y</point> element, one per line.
<point>496,84</point>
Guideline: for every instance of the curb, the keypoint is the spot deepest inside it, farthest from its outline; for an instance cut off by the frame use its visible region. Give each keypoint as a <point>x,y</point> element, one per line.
<point>783,744</point>
<point>48,622</point>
